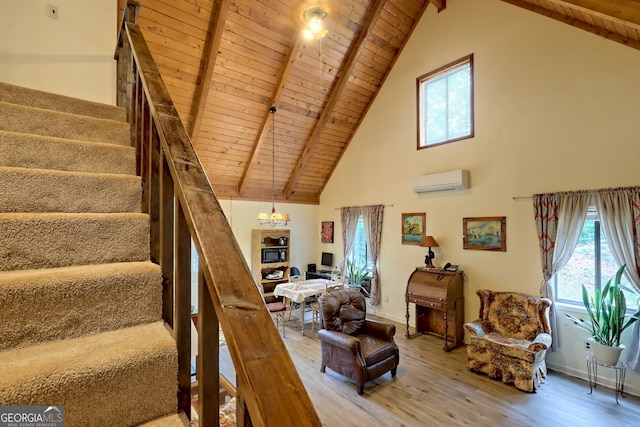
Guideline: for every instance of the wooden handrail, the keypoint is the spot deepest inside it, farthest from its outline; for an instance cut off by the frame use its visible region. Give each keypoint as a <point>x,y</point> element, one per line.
<point>183,207</point>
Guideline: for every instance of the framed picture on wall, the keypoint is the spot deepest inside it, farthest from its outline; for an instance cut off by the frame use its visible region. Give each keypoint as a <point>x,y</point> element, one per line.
<point>485,233</point>
<point>326,232</point>
<point>413,228</point>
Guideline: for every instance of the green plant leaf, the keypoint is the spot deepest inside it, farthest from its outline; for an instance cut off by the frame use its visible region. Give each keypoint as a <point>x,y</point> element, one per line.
<point>607,311</point>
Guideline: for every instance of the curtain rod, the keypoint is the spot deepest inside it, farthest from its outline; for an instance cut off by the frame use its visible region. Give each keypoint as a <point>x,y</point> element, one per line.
<point>337,209</point>
<point>580,191</point>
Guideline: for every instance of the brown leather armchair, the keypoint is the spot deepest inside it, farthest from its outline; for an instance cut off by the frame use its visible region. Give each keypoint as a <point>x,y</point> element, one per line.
<point>352,345</point>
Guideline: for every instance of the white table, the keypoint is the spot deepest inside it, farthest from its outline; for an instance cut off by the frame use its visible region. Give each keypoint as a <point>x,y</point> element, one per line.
<point>298,291</point>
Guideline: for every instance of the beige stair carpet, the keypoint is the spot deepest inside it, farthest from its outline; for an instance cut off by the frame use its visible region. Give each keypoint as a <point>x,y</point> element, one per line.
<point>40,190</point>
<point>44,152</point>
<point>118,378</point>
<point>174,420</point>
<point>29,240</point>
<point>80,302</point>
<point>68,302</point>
<point>47,100</point>
<point>18,118</point>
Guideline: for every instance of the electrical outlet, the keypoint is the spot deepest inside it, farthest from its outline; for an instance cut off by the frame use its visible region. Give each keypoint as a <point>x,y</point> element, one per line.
<point>52,11</point>
<point>587,345</point>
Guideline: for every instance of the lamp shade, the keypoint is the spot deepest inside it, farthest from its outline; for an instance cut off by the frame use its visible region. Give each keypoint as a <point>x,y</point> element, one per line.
<point>429,242</point>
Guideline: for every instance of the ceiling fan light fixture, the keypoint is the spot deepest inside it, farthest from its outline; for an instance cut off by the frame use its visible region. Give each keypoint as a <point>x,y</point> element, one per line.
<point>314,16</point>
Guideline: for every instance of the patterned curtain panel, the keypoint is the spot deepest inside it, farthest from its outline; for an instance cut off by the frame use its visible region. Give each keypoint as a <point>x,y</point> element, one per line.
<point>619,213</point>
<point>559,220</point>
<point>372,218</point>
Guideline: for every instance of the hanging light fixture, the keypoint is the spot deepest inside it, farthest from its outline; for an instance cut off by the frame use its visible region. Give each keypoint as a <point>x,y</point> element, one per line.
<point>314,16</point>
<point>275,219</point>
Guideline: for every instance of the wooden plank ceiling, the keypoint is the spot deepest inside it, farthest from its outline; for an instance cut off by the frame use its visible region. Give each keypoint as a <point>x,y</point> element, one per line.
<point>227,62</point>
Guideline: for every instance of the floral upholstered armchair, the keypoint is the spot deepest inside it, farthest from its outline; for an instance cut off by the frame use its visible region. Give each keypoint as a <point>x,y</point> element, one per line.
<point>510,339</point>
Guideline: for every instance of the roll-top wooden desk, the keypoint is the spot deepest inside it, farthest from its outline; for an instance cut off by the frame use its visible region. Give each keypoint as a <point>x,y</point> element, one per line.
<point>439,300</point>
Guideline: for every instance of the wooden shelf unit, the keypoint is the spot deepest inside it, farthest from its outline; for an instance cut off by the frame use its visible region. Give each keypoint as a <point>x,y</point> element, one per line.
<point>270,239</point>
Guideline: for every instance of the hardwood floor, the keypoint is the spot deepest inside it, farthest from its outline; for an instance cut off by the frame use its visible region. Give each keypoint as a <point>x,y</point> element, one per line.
<point>434,388</point>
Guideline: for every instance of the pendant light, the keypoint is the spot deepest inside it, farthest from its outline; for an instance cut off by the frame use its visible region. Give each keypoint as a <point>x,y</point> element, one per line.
<point>275,219</point>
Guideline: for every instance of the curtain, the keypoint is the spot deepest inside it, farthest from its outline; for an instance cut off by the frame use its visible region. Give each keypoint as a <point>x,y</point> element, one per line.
<point>559,220</point>
<point>372,218</point>
<point>619,214</point>
<point>349,218</point>
<point>634,200</point>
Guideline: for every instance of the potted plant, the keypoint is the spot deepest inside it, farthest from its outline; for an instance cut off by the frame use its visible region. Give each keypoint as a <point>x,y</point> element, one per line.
<point>356,275</point>
<point>607,310</point>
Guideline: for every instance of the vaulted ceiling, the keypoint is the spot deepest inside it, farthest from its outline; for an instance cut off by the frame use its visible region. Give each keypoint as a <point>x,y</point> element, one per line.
<point>227,62</point>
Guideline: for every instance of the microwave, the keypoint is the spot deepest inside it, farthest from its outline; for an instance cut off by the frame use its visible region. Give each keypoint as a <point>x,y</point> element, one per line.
<point>273,255</point>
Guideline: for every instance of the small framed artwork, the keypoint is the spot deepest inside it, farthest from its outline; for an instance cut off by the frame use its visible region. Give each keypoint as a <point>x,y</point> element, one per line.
<point>413,228</point>
<point>485,233</point>
<point>326,232</point>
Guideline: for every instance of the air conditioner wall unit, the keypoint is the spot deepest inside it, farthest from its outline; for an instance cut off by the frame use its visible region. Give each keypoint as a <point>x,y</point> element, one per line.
<point>451,180</point>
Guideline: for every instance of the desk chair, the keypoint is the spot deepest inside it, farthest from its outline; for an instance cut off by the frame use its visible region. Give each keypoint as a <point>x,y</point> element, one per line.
<point>294,274</point>
<point>276,309</point>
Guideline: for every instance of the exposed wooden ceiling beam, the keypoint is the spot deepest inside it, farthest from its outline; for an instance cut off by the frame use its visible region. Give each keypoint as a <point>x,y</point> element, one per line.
<point>219,15</point>
<point>629,5</point>
<point>622,11</point>
<point>259,142</point>
<point>440,4</point>
<point>415,23</point>
<point>345,73</point>
<point>228,192</point>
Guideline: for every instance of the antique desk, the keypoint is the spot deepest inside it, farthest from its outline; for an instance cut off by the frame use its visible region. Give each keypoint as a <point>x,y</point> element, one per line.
<point>439,300</point>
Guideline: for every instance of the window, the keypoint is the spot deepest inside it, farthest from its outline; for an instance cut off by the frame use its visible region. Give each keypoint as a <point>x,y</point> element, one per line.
<point>591,264</point>
<point>445,104</point>
<point>359,254</point>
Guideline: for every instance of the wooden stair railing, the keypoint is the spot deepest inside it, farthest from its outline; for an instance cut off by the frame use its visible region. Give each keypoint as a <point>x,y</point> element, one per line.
<point>182,206</point>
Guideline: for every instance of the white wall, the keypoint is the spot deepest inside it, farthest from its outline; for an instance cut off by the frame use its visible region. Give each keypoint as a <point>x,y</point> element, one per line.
<point>304,226</point>
<point>242,217</point>
<point>72,55</point>
<point>555,109</point>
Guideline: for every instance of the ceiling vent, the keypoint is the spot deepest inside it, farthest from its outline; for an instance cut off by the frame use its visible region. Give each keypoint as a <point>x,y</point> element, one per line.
<point>452,180</point>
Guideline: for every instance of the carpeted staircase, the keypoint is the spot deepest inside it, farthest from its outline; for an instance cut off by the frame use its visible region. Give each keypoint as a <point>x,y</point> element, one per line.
<point>80,302</point>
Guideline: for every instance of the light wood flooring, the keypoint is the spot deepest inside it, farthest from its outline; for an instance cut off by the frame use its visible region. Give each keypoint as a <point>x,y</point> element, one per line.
<point>434,388</point>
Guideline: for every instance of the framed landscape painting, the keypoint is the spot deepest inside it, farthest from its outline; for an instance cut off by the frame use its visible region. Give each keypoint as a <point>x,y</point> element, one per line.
<point>413,228</point>
<point>485,234</point>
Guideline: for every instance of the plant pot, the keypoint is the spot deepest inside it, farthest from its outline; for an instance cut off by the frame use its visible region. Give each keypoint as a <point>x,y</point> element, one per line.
<point>606,355</point>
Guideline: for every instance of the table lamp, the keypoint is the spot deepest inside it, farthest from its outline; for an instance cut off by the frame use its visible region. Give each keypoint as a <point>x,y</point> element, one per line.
<point>429,242</point>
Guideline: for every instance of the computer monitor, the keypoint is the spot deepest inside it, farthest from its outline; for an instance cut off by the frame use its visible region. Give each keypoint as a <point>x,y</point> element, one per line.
<point>327,259</point>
